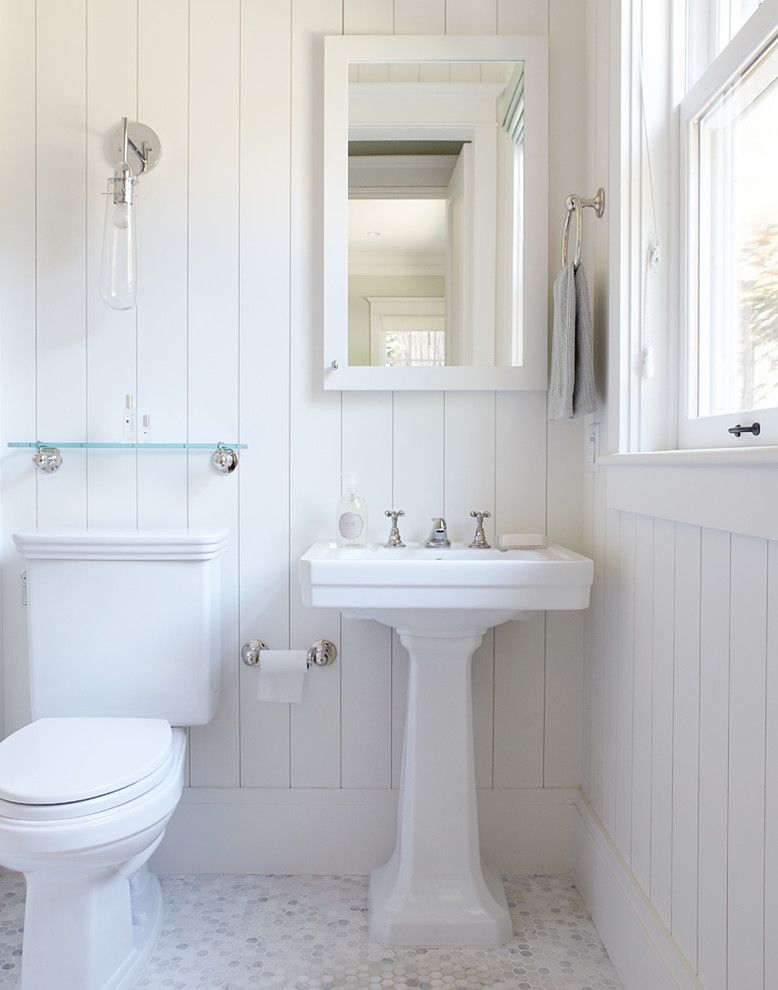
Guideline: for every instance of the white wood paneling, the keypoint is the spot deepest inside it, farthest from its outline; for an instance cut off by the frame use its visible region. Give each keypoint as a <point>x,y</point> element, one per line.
<point>624,690</point>
<point>518,707</point>
<point>315,416</point>
<point>264,377</point>
<point>686,686</point>
<point>419,16</point>
<point>522,16</point>
<point>695,612</point>
<point>60,248</point>
<point>368,16</point>
<point>610,654</point>
<point>225,344</point>
<point>214,251</point>
<point>366,704</point>
<point>641,703</point>
<point>563,692</point>
<point>465,17</point>
<point>17,310</point>
<point>163,85</point>
<point>771,772</point>
<point>662,719</point>
<point>746,828</point>
<point>714,759</point>
<point>111,357</point>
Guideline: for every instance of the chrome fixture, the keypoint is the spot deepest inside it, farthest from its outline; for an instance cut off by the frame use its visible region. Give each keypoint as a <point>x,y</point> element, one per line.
<point>394,539</point>
<point>321,654</point>
<point>224,460</point>
<point>47,459</point>
<point>479,540</point>
<point>136,149</point>
<point>48,456</point>
<point>577,204</point>
<point>439,534</point>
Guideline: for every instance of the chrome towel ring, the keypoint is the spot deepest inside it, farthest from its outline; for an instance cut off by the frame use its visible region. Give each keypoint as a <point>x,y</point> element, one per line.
<point>576,204</point>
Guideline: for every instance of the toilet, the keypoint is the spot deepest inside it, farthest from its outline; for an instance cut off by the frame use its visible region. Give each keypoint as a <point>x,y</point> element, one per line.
<point>124,652</point>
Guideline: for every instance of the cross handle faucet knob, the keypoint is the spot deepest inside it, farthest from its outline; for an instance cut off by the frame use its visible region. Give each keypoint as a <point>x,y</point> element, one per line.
<point>394,539</point>
<point>479,540</point>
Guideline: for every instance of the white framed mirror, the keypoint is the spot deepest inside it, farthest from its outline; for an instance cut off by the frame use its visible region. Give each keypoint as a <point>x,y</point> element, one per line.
<point>435,212</point>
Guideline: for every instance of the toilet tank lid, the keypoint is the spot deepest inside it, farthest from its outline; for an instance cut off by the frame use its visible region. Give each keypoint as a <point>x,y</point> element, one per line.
<point>117,544</point>
<point>62,760</point>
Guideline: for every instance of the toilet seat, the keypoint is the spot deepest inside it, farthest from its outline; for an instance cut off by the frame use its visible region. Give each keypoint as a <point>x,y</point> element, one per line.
<point>64,768</point>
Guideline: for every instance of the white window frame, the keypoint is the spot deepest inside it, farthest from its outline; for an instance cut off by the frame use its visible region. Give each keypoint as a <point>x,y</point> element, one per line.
<point>754,37</point>
<point>403,313</point>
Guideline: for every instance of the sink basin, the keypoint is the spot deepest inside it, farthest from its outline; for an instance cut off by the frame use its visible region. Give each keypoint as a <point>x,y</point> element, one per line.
<point>371,580</point>
<point>435,890</point>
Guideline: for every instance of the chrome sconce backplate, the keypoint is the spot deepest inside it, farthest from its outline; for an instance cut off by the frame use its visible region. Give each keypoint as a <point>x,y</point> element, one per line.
<point>143,147</point>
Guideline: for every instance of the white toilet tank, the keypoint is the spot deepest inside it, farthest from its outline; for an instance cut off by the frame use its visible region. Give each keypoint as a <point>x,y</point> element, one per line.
<point>124,623</point>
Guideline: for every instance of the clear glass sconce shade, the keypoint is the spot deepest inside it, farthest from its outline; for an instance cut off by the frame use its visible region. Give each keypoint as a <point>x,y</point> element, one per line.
<point>119,263</point>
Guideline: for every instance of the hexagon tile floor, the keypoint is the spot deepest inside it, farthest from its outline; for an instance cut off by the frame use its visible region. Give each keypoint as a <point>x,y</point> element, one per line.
<point>248,932</point>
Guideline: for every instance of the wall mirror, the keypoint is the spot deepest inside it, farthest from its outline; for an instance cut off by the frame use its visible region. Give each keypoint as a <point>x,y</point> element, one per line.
<point>435,212</point>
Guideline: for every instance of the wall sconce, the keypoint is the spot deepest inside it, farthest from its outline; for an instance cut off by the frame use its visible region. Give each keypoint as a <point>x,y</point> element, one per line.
<point>135,148</point>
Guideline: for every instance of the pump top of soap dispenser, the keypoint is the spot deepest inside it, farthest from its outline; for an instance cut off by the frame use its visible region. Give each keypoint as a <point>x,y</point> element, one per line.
<point>350,486</point>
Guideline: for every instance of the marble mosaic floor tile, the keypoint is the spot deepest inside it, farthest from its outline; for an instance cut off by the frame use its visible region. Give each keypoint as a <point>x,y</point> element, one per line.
<point>301,933</point>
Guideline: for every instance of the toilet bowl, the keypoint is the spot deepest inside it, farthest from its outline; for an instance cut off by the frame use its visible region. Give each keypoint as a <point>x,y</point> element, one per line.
<point>84,802</point>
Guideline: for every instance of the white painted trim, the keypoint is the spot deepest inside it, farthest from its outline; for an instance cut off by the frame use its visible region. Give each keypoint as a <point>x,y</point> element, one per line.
<point>757,34</point>
<point>737,501</point>
<point>341,831</point>
<point>766,456</point>
<point>641,948</point>
<point>400,263</point>
<point>339,51</point>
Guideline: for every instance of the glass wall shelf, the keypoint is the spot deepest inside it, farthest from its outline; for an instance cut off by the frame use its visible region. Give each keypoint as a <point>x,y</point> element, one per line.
<point>100,445</point>
<point>48,456</point>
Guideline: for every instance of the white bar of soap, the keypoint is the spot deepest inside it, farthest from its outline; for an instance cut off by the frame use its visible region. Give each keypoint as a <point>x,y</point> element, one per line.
<point>521,541</point>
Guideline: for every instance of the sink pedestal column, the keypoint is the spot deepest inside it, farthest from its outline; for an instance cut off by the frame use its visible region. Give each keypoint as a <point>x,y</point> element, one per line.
<point>434,890</point>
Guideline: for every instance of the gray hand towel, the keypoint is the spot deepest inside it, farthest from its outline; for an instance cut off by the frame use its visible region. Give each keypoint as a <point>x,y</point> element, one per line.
<point>571,389</point>
<point>584,394</point>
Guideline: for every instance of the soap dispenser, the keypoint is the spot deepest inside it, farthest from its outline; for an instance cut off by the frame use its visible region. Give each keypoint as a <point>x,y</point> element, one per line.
<point>351,515</point>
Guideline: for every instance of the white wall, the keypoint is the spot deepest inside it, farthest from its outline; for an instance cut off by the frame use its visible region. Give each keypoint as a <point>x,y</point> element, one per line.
<point>225,344</point>
<point>680,707</point>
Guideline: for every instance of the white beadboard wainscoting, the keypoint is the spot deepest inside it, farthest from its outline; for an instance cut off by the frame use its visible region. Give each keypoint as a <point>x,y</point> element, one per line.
<point>681,725</point>
<point>226,345</point>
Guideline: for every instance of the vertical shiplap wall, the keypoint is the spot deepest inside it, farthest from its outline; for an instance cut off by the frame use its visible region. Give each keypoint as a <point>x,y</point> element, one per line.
<point>225,344</point>
<point>684,748</point>
<point>680,699</point>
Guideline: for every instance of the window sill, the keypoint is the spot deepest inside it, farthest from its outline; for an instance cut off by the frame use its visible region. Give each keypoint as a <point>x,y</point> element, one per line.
<point>764,456</point>
<point>732,489</point>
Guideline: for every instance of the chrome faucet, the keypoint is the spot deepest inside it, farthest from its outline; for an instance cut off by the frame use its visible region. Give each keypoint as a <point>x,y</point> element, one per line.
<point>394,539</point>
<point>439,534</point>
<point>479,540</point>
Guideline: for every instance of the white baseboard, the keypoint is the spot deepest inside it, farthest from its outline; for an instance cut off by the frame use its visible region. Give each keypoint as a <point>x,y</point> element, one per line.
<point>640,946</point>
<point>217,830</point>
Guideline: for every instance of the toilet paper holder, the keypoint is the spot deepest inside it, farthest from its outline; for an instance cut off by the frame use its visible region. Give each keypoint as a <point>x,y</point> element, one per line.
<point>321,654</point>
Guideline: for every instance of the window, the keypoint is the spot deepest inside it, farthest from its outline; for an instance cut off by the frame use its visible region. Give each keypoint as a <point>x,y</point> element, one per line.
<point>407,331</point>
<point>729,146</point>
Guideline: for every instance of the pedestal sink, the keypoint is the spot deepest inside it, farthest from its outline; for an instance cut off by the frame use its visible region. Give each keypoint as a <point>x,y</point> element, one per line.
<point>435,890</point>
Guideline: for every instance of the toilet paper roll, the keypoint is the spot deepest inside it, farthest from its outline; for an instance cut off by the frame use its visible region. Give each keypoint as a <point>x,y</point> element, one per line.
<point>281,675</point>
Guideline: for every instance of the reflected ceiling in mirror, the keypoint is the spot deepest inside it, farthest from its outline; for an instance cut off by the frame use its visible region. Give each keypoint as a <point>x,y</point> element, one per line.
<point>435,214</point>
